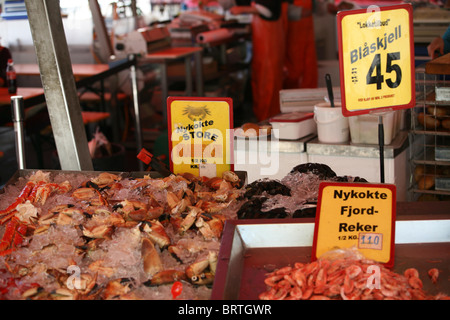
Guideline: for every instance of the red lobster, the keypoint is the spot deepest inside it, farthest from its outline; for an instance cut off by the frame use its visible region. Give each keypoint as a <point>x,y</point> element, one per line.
<point>16,230</point>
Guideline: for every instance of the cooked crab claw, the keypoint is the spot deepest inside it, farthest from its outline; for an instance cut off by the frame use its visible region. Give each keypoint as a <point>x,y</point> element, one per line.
<point>14,235</point>
<point>156,232</point>
<point>165,277</point>
<point>119,289</point>
<point>198,273</point>
<point>150,257</point>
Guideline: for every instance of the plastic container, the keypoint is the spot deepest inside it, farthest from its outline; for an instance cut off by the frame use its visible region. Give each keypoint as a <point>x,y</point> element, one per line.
<point>293,125</point>
<point>332,126</point>
<point>364,128</point>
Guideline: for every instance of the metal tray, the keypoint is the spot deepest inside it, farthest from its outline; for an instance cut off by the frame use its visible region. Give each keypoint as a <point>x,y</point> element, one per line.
<point>250,249</point>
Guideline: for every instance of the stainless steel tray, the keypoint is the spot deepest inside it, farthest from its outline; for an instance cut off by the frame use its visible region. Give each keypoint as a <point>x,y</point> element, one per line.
<point>249,249</point>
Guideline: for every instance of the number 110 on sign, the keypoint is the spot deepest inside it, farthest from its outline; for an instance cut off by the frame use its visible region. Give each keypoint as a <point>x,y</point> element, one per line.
<point>370,241</point>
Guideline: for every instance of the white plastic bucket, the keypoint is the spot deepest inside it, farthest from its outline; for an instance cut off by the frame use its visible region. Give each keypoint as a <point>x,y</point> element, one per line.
<point>332,126</point>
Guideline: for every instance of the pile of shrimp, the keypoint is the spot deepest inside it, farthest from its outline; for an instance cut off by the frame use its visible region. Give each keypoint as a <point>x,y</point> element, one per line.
<point>346,279</point>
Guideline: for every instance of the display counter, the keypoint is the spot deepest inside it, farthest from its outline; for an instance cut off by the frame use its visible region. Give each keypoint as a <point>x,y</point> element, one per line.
<point>94,222</point>
<point>269,158</point>
<point>275,158</point>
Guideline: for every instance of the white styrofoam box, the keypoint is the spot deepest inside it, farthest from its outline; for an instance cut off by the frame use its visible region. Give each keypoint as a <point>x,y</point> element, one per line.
<point>364,128</point>
<point>293,125</point>
<point>304,100</point>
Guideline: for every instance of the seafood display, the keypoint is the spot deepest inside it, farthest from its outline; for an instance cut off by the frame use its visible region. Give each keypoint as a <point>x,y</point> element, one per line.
<point>346,277</point>
<point>100,236</point>
<point>295,196</point>
<point>107,236</point>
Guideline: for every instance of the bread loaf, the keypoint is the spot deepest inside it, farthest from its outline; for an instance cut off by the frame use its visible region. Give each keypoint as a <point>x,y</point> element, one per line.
<point>429,122</point>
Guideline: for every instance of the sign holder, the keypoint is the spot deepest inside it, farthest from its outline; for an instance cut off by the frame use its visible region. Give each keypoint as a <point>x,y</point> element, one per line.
<point>376,47</point>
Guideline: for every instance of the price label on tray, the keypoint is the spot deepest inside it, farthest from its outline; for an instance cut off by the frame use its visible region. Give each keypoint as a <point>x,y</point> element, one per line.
<point>200,139</point>
<point>357,215</point>
<point>376,47</point>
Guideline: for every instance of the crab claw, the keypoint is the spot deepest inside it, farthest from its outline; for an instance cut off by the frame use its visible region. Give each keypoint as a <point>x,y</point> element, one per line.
<point>98,232</point>
<point>24,194</point>
<point>14,235</point>
<point>176,204</point>
<point>156,233</point>
<point>105,179</point>
<point>165,277</point>
<point>90,195</point>
<point>119,288</point>
<point>231,176</point>
<point>196,271</point>
<point>46,190</point>
<point>210,226</point>
<point>183,224</point>
<point>150,257</point>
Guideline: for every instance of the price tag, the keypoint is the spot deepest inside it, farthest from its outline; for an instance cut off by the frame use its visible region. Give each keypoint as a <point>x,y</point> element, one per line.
<point>200,135</point>
<point>376,57</point>
<point>357,215</point>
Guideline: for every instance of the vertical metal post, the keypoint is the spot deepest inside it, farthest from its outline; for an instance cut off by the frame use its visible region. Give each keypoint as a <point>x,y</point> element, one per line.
<point>101,32</point>
<point>133,6</point>
<point>164,89</point>
<point>199,73</point>
<point>188,70</point>
<point>381,146</point>
<point>18,115</point>
<point>58,82</point>
<point>137,114</point>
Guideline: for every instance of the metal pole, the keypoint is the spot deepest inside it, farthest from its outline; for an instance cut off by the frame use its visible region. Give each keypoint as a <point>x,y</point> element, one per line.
<point>187,66</point>
<point>18,115</point>
<point>199,71</point>
<point>381,146</point>
<point>58,82</point>
<point>137,114</point>
<point>164,89</point>
<point>101,32</point>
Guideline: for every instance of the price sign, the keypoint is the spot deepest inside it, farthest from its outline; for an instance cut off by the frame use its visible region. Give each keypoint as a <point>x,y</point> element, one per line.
<point>357,215</point>
<point>376,58</point>
<point>200,140</point>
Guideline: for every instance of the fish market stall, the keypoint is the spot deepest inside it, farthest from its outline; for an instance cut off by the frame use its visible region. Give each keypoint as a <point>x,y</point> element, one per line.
<point>139,235</point>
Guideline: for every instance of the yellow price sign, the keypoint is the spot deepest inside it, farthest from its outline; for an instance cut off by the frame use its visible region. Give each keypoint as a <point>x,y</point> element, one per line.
<point>200,139</point>
<point>376,57</point>
<point>357,215</point>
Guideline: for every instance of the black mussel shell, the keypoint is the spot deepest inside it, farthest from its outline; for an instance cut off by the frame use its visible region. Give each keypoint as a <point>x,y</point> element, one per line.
<point>272,187</point>
<point>319,169</point>
<point>349,179</point>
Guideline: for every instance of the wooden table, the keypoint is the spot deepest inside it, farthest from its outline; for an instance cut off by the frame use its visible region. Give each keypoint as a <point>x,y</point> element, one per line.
<point>26,93</point>
<point>85,76</point>
<point>30,93</point>
<point>79,70</point>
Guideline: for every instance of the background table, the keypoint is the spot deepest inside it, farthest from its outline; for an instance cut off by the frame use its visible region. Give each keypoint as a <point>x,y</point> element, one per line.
<point>79,70</point>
